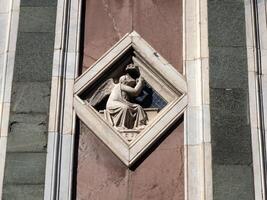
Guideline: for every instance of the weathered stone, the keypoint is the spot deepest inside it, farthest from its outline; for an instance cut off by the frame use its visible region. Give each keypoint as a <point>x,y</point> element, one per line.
<point>37,19</point>
<point>30,97</point>
<point>106,22</point>
<point>227,104</point>
<point>23,192</point>
<point>26,143</point>
<point>230,127</point>
<point>28,133</point>
<point>160,24</point>
<point>25,168</point>
<point>33,68</point>
<point>38,3</point>
<point>228,67</point>
<point>160,175</point>
<point>233,182</point>
<point>226,23</point>
<point>30,44</point>
<point>95,158</point>
<point>231,145</point>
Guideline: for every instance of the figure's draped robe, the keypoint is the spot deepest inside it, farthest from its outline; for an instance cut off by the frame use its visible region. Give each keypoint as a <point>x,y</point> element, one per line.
<point>122,113</point>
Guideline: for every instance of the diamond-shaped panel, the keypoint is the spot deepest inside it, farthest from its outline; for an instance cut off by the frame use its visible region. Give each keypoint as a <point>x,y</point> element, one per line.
<point>149,101</point>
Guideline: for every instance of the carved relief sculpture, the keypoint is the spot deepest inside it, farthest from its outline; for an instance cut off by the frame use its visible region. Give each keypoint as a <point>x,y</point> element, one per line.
<point>126,117</point>
<point>130,97</point>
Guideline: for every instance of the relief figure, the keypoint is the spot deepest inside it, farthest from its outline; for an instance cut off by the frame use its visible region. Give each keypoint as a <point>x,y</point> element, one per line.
<point>120,111</point>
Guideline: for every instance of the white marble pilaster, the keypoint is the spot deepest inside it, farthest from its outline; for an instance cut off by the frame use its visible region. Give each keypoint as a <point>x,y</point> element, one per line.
<point>62,126</point>
<point>198,168</point>
<point>9,18</point>
<point>253,76</point>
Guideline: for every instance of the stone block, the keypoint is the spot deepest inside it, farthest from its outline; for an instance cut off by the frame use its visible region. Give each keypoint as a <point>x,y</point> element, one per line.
<point>228,67</point>
<point>226,23</point>
<point>33,68</point>
<point>38,3</point>
<point>232,182</point>
<point>229,104</point>
<point>23,192</point>
<point>231,145</point>
<point>25,168</point>
<point>230,127</point>
<point>28,133</point>
<point>30,97</point>
<point>30,44</point>
<point>37,19</point>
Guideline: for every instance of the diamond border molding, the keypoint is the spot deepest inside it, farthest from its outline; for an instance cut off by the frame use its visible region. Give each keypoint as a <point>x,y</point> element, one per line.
<point>161,75</point>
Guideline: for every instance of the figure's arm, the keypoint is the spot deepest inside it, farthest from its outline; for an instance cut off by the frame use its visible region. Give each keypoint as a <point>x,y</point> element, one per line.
<point>136,90</point>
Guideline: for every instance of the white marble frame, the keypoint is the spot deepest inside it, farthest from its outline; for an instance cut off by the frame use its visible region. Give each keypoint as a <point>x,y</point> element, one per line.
<point>198,171</point>
<point>61,128</point>
<point>9,20</point>
<point>253,76</point>
<point>172,82</point>
<point>198,156</point>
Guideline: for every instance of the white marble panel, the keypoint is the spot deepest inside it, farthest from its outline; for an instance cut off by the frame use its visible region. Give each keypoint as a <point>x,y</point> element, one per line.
<point>51,165</point>
<point>195,177</point>
<point>4,31</point>
<point>253,99</point>
<point>194,126</point>
<point>192,32</point>
<point>57,63</point>
<point>264,61</point>
<point>208,171</point>
<point>206,123</point>
<point>203,22</point>
<point>249,24</point>
<point>59,30</point>
<point>68,107</point>
<point>264,93</point>
<point>15,5</point>
<point>205,82</point>
<point>65,189</point>
<point>9,76</point>
<point>257,164</point>
<point>2,75</point>
<point>3,142</point>
<point>74,27</point>
<point>14,30</point>
<point>5,6</point>
<point>54,104</point>
<point>253,92</point>
<point>193,75</point>
<point>5,119</point>
<point>251,59</point>
<point>72,63</point>
<point>262,24</point>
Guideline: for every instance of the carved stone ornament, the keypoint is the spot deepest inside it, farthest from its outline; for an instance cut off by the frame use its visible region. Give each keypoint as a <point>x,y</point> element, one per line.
<point>130,97</point>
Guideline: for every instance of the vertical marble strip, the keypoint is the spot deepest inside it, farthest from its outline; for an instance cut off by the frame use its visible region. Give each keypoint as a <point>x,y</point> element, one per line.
<point>68,130</point>
<point>263,39</point>
<point>198,178</point>
<point>52,159</point>
<point>263,42</point>
<point>62,116</point>
<point>54,109</point>
<point>9,17</point>
<point>263,49</point>
<point>253,90</point>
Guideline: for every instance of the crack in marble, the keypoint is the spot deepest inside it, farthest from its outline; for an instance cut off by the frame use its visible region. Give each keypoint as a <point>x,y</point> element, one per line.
<point>108,11</point>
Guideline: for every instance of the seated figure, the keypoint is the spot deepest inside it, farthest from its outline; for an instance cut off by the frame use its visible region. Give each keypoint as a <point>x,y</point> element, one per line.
<point>120,112</point>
